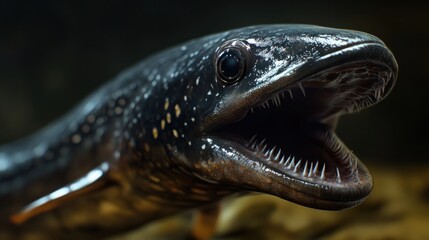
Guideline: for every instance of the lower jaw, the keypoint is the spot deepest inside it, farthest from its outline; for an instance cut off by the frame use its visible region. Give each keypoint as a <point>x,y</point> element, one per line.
<point>303,158</point>
<point>241,169</point>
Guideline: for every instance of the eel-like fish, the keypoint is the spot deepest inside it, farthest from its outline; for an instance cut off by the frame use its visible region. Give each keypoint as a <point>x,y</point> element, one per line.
<point>251,109</point>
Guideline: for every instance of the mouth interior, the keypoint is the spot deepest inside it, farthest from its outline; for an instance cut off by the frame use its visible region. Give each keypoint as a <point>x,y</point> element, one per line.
<point>291,131</point>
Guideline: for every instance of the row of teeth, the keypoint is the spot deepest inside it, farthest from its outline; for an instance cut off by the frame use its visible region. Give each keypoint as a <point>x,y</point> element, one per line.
<point>341,152</point>
<point>276,100</point>
<point>308,171</point>
<point>376,96</point>
<point>357,105</point>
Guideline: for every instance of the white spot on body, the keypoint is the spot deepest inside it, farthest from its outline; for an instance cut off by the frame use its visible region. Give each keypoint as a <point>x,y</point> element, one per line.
<point>175,133</point>
<point>166,104</point>
<point>162,124</point>
<point>76,138</point>
<point>38,151</point>
<point>177,110</point>
<point>118,110</point>
<point>203,146</point>
<point>155,132</point>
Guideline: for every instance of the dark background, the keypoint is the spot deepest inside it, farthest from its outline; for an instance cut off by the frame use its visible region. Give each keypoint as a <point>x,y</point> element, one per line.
<point>54,53</point>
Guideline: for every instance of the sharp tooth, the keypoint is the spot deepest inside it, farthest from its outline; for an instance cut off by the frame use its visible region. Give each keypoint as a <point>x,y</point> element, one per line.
<point>310,171</point>
<point>297,166</point>
<point>263,148</point>
<point>267,104</point>
<point>279,102</point>
<point>278,155</point>
<point>290,93</point>
<point>262,142</point>
<point>292,163</point>
<point>302,88</point>
<point>322,176</point>
<point>315,168</point>
<point>282,160</point>
<point>305,169</point>
<point>276,101</point>
<point>338,175</point>
<point>266,154</point>
<point>287,161</point>
<point>282,94</point>
<point>271,152</point>
<point>251,110</point>
<point>253,147</point>
<point>252,139</point>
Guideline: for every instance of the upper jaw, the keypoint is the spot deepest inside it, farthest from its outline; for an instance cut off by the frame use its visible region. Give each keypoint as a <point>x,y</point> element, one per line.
<point>230,109</point>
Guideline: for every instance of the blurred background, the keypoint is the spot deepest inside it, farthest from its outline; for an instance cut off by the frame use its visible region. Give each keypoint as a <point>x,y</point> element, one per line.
<point>54,53</point>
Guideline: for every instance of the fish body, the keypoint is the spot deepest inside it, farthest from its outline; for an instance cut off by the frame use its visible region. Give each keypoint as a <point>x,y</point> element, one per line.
<point>251,109</point>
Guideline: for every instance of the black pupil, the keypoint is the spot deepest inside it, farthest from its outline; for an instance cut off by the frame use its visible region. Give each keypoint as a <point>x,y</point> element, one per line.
<point>230,65</point>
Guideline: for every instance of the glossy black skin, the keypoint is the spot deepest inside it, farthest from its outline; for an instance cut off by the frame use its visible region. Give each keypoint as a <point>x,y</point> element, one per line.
<point>151,125</point>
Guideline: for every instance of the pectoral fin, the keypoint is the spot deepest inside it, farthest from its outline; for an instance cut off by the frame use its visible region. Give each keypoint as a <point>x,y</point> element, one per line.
<point>94,181</point>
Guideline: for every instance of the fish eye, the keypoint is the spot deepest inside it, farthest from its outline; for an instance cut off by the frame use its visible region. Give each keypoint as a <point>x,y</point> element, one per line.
<point>230,62</point>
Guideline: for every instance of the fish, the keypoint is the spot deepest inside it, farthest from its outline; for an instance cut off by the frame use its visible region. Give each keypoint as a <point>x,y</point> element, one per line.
<point>252,109</point>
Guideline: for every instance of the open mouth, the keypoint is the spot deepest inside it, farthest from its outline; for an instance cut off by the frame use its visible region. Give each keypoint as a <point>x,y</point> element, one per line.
<point>291,131</point>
